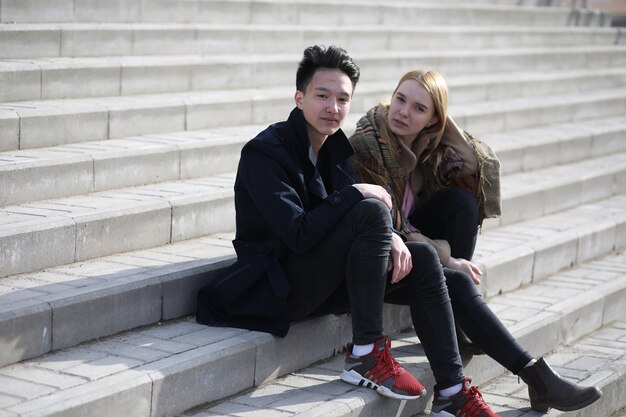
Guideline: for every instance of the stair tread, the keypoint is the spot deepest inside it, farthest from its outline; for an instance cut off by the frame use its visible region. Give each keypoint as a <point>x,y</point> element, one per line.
<point>318,391</point>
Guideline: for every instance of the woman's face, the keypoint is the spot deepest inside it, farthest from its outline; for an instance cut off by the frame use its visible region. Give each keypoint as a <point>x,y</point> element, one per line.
<point>411,110</point>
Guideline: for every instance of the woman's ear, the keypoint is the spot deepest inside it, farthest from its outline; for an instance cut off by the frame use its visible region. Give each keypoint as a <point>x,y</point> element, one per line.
<point>433,120</point>
<point>298,99</point>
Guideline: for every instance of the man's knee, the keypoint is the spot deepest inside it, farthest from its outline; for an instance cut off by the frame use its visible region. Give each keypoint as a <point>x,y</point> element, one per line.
<point>372,212</point>
<point>423,254</point>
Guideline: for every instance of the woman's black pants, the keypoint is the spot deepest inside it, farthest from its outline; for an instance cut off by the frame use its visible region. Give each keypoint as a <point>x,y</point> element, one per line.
<point>453,215</point>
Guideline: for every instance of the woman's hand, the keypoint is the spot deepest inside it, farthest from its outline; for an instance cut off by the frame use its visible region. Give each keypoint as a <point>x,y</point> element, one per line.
<point>463,265</point>
<point>400,260</point>
<point>374,191</point>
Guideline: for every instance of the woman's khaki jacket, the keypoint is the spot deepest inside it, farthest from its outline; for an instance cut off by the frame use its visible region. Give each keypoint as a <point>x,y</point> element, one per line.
<point>459,160</point>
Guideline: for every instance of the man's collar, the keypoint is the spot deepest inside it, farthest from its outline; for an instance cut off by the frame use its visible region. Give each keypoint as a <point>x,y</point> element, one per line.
<point>336,147</point>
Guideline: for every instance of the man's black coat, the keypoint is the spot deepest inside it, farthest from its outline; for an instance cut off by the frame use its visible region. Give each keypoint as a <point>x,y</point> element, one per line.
<point>284,204</point>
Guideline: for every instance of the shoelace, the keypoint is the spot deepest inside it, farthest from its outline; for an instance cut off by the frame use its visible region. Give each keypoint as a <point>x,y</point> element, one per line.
<point>388,363</point>
<point>474,405</point>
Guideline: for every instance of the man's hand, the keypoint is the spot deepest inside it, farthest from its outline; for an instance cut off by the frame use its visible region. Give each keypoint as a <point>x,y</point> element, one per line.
<point>400,260</point>
<point>463,265</point>
<point>374,191</point>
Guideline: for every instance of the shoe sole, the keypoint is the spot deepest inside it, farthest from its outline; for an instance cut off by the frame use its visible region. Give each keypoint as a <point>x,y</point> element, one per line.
<point>354,378</point>
<point>442,414</point>
<point>544,408</point>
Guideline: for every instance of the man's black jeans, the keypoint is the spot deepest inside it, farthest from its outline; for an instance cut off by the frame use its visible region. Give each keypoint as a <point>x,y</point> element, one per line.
<point>349,267</point>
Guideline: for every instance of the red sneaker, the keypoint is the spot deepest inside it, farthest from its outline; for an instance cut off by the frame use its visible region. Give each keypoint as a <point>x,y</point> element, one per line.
<point>466,403</point>
<point>380,371</point>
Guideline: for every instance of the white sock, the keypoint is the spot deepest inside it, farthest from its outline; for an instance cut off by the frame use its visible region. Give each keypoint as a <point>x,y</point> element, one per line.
<point>360,350</point>
<point>531,363</point>
<point>449,392</point>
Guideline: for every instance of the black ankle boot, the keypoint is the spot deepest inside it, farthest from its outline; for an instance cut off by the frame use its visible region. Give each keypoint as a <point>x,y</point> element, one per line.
<point>548,389</point>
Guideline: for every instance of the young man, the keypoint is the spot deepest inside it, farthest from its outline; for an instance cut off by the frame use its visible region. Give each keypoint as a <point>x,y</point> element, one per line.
<point>310,241</point>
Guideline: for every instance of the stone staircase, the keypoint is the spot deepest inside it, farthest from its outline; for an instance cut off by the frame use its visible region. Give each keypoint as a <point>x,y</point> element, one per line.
<point>120,128</point>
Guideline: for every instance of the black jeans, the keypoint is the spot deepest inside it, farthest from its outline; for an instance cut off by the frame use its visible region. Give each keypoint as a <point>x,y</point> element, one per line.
<point>481,325</point>
<point>349,269</point>
<point>453,215</point>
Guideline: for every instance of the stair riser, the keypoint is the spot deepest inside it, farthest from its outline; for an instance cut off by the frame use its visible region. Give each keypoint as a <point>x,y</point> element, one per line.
<point>263,12</point>
<point>37,81</point>
<point>106,232</point>
<point>589,144</point>
<point>558,196</point>
<point>493,121</point>
<point>70,41</point>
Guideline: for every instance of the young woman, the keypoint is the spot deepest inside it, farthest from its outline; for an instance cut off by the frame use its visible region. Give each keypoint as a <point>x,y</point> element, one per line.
<point>443,182</point>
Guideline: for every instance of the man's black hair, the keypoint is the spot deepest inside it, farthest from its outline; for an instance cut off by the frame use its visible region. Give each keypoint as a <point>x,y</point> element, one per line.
<point>331,57</point>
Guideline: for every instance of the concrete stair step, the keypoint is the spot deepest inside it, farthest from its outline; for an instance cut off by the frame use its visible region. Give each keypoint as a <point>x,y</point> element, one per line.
<point>165,368</point>
<point>119,292</point>
<point>92,225</point>
<point>532,250</point>
<point>62,171</point>
<point>26,125</point>
<point>298,12</point>
<point>111,294</point>
<point>69,170</point>
<point>596,359</point>
<point>497,116</point>
<point>97,39</point>
<point>78,39</point>
<point>529,149</point>
<point>317,391</point>
<point>61,231</point>
<point>58,78</point>
<point>55,122</point>
<point>535,193</point>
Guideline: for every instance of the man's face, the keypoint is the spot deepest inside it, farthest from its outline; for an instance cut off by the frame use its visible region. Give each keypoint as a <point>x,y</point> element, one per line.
<point>325,103</point>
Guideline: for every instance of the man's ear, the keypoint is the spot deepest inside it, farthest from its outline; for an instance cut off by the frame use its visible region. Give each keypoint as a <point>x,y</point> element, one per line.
<point>298,98</point>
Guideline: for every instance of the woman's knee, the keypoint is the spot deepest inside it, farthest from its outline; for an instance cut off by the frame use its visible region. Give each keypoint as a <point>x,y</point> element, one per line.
<point>460,285</point>
<point>465,202</point>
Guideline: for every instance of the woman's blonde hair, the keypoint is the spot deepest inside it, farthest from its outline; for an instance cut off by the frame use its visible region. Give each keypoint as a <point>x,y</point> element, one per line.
<point>437,88</point>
